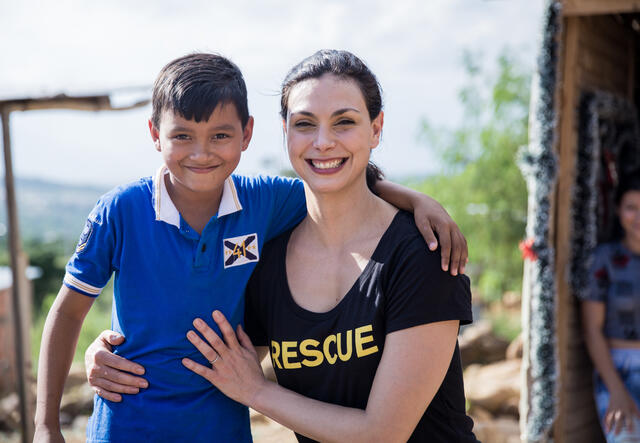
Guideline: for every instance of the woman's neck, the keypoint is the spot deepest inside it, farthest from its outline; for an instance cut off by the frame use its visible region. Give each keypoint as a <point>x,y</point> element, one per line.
<point>337,218</point>
<point>632,244</point>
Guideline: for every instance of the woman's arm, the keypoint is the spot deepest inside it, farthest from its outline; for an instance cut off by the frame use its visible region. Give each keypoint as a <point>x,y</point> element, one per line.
<point>412,368</point>
<point>621,407</point>
<point>430,216</point>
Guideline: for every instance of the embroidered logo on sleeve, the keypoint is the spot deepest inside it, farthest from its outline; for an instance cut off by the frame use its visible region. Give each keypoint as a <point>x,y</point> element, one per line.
<point>240,250</point>
<point>85,236</point>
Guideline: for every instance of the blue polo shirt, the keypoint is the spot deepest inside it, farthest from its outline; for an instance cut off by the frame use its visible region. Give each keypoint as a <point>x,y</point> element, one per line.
<point>166,274</point>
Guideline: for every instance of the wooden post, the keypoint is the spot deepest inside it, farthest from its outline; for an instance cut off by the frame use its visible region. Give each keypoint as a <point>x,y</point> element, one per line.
<point>17,273</point>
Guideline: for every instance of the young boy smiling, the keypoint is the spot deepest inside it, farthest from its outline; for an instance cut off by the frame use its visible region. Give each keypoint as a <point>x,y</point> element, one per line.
<point>181,243</point>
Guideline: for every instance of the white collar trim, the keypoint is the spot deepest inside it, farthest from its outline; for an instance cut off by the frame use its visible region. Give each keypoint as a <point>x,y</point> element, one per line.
<point>166,210</point>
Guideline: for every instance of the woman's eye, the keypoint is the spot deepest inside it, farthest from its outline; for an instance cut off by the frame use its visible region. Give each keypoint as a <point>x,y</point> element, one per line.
<point>345,121</point>
<point>303,124</point>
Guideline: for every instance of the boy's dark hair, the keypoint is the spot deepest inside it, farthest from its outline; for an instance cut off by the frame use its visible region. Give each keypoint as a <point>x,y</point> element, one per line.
<point>194,85</point>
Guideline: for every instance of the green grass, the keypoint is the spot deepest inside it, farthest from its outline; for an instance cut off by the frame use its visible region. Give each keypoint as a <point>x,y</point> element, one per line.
<point>506,324</point>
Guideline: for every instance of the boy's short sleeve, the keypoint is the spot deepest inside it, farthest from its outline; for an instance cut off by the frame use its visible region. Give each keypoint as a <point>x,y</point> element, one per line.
<point>288,205</point>
<point>420,292</point>
<point>90,267</point>
<point>598,284</point>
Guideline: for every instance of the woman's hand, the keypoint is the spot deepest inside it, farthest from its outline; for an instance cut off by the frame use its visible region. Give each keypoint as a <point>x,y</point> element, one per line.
<point>235,368</point>
<point>621,411</point>
<point>111,375</point>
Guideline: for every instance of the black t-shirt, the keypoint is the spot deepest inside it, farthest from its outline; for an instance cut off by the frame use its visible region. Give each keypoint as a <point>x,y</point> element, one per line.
<point>333,356</point>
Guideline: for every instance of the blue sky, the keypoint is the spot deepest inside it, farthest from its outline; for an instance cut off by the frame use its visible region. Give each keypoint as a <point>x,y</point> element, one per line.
<point>413,46</point>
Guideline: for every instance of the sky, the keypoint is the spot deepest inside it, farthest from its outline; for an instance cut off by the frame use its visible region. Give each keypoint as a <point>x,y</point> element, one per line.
<point>413,46</point>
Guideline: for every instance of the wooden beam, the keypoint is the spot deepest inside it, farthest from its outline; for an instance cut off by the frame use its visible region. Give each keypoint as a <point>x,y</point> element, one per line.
<point>17,287</point>
<point>599,7</point>
<point>97,103</point>
<point>570,76</point>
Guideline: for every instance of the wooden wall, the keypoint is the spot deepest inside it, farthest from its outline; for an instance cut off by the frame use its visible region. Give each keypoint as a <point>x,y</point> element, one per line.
<point>597,52</point>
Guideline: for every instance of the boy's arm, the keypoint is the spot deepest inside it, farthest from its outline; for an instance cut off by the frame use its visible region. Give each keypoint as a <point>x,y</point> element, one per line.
<point>430,216</point>
<point>59,339</point>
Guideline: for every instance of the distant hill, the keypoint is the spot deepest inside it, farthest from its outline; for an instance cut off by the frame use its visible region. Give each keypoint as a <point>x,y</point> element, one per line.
<point>50,210</point>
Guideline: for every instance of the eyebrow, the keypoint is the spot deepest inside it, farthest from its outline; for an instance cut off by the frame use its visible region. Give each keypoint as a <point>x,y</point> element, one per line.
<point>338,112</point>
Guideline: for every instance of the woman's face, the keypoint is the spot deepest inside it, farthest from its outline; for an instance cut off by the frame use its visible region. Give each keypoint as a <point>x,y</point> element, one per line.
<point>629,214</point>
<point>329,133</point>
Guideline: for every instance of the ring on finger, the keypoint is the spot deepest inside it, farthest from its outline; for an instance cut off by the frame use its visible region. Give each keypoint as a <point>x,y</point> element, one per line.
<point>214,360</point>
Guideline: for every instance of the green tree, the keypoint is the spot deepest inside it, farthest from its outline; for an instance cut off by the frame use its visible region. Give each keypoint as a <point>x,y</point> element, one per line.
<point>481,185</point>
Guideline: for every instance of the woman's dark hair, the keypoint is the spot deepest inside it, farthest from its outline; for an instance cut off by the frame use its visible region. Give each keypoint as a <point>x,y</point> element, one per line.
<point>341,64</point>
<point>194,85</point>
<point>630,182</point>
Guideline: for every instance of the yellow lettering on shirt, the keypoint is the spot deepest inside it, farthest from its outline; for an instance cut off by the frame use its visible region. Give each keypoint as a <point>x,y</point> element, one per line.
<point>361,340</point>
<point>331,359</point>
<point>275,353</point>
<point>308,348</point>
<point>347,355</point>
<point>287,354</point>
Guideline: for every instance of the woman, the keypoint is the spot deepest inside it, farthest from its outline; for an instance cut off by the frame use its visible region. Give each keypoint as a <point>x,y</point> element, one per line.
<point>360,319</point>
<point>611,321</point>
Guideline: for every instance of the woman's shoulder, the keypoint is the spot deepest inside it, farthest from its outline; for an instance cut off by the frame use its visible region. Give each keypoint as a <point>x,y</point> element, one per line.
<point>609,250</point>
<point>403,242</point>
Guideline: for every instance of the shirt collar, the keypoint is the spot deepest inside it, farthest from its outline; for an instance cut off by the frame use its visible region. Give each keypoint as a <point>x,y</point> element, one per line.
<point>166,210</point>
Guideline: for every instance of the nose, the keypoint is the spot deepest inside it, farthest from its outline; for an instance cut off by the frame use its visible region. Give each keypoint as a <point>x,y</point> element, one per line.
<point>324,139</point>
<point>201,151</point>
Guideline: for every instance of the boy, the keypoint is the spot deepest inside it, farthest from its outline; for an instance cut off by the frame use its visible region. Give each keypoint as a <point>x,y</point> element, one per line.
<point>181,244</point>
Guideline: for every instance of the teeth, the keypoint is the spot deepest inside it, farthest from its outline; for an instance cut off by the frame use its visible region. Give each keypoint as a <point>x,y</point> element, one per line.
<point>327,164</point>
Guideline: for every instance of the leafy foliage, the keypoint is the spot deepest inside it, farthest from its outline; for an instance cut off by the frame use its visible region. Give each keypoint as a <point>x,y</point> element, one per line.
<point>481,185</point>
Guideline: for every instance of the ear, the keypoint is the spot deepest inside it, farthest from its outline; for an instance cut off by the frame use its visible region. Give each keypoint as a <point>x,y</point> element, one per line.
<point>247,133</point>
<point>155,135</point>
<point>376,127</point>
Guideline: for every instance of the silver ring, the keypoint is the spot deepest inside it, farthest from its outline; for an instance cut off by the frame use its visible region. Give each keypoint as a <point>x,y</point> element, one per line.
<point>214,360</point>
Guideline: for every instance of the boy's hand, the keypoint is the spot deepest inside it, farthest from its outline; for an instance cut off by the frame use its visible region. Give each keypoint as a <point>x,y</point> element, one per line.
<point>110,375</point>
<point>430,216</point>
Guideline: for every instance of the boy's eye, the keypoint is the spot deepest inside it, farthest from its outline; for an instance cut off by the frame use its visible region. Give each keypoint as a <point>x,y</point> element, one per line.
<point>220,136</point>
<point>181,137</point>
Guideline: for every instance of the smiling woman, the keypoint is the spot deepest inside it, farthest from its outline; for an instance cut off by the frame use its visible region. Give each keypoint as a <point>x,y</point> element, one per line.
<point>360,319</point>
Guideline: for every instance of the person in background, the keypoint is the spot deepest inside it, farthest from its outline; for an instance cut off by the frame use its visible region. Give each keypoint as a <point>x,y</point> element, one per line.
<point>611,320</point>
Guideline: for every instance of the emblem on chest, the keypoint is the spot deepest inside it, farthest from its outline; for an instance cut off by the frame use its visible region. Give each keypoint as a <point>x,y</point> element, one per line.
<point>240,250</point>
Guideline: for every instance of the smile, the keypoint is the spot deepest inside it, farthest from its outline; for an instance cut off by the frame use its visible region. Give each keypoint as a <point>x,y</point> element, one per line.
<point>201,169</point>
<point>327,164</point>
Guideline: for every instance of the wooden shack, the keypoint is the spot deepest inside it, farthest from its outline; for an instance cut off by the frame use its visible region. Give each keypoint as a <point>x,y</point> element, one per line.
<point>587,84</point>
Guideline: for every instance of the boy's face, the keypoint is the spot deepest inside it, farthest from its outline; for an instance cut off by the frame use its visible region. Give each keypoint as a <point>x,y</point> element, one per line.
<point>200,156</point>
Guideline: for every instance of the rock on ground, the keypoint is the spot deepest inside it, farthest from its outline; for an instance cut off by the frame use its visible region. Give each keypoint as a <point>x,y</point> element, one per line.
<point>494,387</point>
